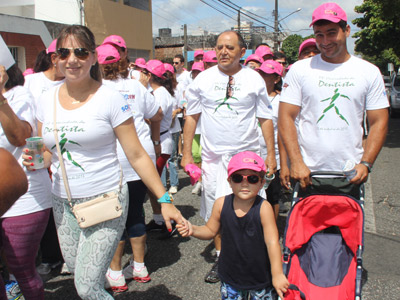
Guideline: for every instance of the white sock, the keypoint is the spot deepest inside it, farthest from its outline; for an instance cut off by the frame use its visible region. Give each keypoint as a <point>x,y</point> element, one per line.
<point>138,266</point>
<point>218,252</point>
<point>158,219</point>
<point>114,274</point>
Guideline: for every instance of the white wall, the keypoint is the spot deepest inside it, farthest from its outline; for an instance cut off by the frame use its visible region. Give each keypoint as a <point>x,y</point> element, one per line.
<point>59,11</point>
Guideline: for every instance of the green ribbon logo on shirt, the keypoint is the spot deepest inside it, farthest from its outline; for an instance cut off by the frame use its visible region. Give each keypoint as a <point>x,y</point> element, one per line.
<point>332,104</point>
<point>62,143</point>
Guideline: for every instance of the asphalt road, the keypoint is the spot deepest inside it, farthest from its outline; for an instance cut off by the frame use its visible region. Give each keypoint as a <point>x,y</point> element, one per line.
<point>177,266</point>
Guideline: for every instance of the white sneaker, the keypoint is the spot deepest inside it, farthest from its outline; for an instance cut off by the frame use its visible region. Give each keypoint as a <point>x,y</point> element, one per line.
<point>45,268</point>
<point>141,275</point>
<point>173,190</point>
<point>64,270</point>
<point>197,188</point>
<point>116,285</point>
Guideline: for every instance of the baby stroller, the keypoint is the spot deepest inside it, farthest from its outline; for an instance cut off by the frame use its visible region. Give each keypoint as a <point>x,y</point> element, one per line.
<point>323,246</point>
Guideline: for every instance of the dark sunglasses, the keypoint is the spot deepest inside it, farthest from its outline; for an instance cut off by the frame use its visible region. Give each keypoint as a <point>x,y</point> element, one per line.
<point>176,63</point>
<point>253,179</point>
<point>80,53</point>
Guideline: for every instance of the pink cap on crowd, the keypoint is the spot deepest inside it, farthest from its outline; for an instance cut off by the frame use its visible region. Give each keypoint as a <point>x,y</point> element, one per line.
<point>199,66</point>
<point>107,54</point>
<point>210,57</point>
<point>198,52</point>
<point>115,40</point>
<point>140,62</point>
<point>307,43</point>
<point>169,67</point>
<point>52,47</point>
<point>246,160</point>
<point>261,51</point>
<point>253,57</point>
<point>270,67</point>
<point>156,67</point>
<point>28,71</point>
<point>328,11</point>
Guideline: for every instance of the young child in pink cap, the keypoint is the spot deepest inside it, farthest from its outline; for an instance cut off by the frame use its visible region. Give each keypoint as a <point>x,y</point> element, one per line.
<point>250,260</point>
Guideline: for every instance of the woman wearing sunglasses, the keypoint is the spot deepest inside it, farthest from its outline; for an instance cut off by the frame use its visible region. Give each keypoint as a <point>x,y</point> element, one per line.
<point>143,106</point>
<point>250,263</point>
<point>90,118</point>
<point>271,71</point>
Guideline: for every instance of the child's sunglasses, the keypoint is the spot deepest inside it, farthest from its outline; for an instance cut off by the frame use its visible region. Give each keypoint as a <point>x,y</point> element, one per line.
<point>80,53</point>
<point>253,179</point>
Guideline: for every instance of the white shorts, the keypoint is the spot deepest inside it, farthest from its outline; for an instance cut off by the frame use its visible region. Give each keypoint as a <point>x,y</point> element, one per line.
<point>215,182</point>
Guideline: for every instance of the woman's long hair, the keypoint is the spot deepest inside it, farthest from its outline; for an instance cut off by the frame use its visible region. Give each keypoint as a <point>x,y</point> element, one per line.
<point>15,77</point>
<point>168,82</point>
<point>115,70</point>
<point>85,38</point>
<point>43,62</point>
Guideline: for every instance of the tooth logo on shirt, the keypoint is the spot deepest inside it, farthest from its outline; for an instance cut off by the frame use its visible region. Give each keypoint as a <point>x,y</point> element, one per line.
<point>63,149</point>
<point>332,104</point>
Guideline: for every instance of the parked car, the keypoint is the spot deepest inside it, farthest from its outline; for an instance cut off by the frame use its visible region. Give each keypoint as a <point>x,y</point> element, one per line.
<point>395,95</point>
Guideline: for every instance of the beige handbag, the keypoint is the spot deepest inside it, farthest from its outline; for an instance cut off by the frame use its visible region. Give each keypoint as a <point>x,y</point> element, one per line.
<point>103,208</point>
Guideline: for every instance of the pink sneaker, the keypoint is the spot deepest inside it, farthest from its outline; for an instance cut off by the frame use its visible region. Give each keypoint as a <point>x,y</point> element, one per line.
<point>116,285</point>
<point>138,275</point>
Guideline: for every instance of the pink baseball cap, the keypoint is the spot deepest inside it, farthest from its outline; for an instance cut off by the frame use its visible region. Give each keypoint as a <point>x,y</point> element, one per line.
<point>199,66</point>
<point>328,11</point>
<point>156,67</point>
<point>140,62</point>
<point>246,160</point>
<point>210,57</point>
<point>52,47</point>
<point>198,52</point>
<point>255,58</point>
<point>307,43</point>
<point>115,40</point>
<point>270,67</point>
<point>28,71</point>
<point>261,51</point>
<point>107,54</point>
<point>169,67</point>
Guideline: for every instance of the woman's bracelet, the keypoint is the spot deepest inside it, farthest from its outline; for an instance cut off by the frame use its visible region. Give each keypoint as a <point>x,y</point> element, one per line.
<point>166,198</point>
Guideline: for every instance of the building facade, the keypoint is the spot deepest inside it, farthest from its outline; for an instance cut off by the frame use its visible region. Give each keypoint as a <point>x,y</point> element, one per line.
<point>29,26</point>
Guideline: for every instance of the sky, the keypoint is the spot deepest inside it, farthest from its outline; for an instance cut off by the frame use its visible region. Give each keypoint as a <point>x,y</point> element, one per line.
<point>197,15</point>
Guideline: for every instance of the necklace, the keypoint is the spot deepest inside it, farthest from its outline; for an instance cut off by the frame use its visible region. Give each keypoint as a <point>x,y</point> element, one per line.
<point>76,102</point>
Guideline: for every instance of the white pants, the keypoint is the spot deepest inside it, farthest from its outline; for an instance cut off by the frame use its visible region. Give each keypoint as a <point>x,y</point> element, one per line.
<point>215,182</point>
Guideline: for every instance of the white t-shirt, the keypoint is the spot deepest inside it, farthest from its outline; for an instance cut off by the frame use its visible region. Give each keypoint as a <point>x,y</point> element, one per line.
<point>183,77</point>
<point>38,196</point>
<point>333,99</point>
<point>134,74</point>
<point>275,110</point>
<point>228,125</point>
<point>87,136</point>
<point>143,106</point>
<point>38,83</point>
<point>176,126</point>
<point>166,101</point>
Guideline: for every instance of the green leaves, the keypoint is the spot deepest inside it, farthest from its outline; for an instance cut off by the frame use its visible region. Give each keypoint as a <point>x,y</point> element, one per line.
<point>378,40</point>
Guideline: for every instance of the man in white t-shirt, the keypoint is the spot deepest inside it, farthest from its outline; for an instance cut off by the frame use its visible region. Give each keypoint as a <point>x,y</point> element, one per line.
<point>181,73</point>
<point>330,93</point>
<point>229,98</point>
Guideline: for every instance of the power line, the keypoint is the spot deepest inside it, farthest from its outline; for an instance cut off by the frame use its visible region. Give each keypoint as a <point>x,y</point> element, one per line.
<point>218,10</point>
<point>243,9</point>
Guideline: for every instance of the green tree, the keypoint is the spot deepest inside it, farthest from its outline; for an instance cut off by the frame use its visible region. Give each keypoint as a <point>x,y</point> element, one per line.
<point>378,40</point>
<point>290,46</point>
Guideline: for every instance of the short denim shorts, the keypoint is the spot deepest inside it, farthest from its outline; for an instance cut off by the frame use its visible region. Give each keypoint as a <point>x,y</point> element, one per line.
<point>230,293</point>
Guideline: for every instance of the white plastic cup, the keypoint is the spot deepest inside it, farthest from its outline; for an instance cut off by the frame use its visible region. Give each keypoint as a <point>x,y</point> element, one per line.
<point>36,150</point>
<point>348,169</point>
<point>268,179</point>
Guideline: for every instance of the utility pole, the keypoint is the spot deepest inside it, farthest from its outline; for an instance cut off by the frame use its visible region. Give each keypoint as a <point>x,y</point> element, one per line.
<point>239,20</point>
<point>185,41</point>
<point>276,28</point>
<point>81,12</point>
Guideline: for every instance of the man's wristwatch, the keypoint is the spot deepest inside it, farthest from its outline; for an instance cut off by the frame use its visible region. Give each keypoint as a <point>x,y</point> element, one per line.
<point>156,143</point>
<point>367,164</point>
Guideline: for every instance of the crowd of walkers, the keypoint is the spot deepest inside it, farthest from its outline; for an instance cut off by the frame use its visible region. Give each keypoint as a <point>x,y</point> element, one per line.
<point>110,125</point>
